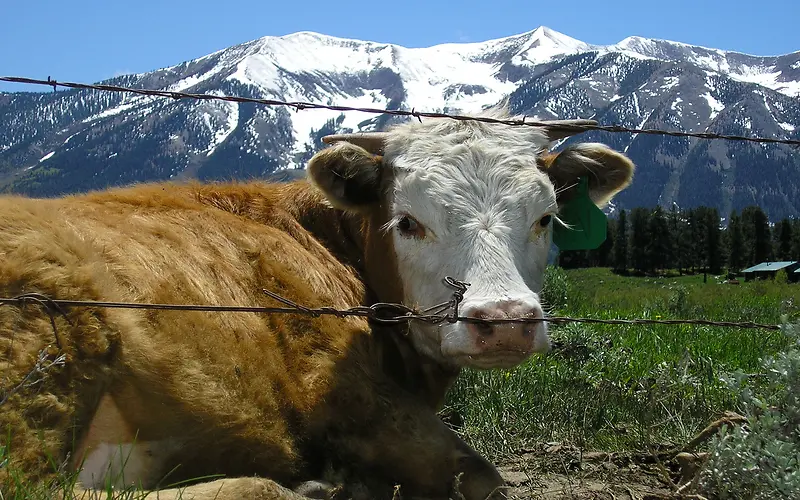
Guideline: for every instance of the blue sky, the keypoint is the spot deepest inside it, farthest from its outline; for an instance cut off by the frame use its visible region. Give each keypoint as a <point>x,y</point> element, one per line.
<point>90,40</point>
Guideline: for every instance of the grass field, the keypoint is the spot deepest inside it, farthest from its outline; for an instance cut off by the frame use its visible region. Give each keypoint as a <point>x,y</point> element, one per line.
<point>617,388</point>
<point>628,387</point>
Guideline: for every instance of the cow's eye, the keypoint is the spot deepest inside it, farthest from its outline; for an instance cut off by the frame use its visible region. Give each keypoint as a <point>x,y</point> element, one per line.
<point>541,225</point>
<point>410,227</point>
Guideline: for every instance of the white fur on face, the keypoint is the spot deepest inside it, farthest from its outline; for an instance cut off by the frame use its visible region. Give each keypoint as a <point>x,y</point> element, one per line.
<point>478,193</point>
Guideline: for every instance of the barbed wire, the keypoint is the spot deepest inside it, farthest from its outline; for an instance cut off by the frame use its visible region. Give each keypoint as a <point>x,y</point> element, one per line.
<point>384,313</point>
<point>300,105</point>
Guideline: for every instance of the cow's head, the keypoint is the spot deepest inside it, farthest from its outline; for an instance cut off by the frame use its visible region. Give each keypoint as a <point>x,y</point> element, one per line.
<point>471,200</point>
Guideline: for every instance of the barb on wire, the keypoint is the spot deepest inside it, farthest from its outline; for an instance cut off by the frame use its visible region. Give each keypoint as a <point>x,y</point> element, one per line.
<point>384,313</point>
<point>298,106</point>
<point>50,306</point>
<point>459,288</point>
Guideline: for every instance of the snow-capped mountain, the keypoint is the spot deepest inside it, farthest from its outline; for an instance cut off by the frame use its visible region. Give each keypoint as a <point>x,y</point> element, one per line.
<point>68,141</point>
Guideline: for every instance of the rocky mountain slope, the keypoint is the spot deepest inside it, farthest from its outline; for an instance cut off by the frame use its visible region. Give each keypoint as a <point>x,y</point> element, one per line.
<point>70,141</point>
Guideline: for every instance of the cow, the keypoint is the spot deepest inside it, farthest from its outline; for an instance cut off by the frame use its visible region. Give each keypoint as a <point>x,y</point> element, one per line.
<point>283,405</point>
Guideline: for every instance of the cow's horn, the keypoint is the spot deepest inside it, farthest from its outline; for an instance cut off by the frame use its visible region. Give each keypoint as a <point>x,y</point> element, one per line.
<point>371,141</point>
<point>555,131</point>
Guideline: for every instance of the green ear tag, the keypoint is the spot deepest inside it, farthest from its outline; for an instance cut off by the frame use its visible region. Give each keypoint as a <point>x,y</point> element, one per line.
<point>587,223</point>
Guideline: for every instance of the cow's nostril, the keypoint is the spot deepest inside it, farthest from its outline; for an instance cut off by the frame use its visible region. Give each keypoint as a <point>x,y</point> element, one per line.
<point>482,328</point>
<point>503,311</point>
<point>529,329</point>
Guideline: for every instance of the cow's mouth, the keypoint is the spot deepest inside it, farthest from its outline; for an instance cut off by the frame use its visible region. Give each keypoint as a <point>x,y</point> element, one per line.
<point>501,358</point>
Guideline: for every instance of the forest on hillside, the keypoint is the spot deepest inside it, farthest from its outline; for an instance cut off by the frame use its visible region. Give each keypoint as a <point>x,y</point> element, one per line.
<point>653,240</point>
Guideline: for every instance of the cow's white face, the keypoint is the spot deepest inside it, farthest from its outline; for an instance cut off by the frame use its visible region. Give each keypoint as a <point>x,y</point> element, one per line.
<point>477,203</point>
<point>479,212</point>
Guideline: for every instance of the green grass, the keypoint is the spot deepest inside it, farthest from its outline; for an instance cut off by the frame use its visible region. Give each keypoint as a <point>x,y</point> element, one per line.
<point>616,387</point>
<point>627,387</point>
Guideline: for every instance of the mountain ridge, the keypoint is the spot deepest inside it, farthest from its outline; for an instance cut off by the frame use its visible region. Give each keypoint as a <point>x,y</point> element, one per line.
<point>55,143</point>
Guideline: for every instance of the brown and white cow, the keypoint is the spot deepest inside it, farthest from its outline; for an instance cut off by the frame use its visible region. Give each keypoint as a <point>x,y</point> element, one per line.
<point>289,398</point>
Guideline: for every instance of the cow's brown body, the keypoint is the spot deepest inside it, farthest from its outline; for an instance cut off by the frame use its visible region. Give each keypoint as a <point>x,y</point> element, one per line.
<point>278,396</point>
<point>284,397</point>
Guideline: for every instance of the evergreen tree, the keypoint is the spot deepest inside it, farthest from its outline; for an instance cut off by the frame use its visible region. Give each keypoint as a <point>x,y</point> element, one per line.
<point>689,240</point>
<point>748,236</point>
<point>601,256</point>
<point>571,259</point>
<point>660,241</point>
<point>696,239</point>
<point>795,240</point>
<point>713,250</point>
<point>735,243</point>
<point>762,248</point>
<point>674,220</point>
<point>640,219</point>
<point>783,247</point>
<point>757,240</point>
<point>620,252</point>
<point>686,244</point>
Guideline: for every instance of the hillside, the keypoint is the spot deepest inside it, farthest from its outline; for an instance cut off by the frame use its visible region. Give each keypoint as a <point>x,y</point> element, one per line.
<point>69,141</point>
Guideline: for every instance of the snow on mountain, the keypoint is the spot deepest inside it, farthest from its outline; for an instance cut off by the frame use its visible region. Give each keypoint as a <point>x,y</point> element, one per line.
<point>779,73</point>
<point>309,66</point>
<point>448,76</point>
<point>453,76</point>
<point>70,141</point>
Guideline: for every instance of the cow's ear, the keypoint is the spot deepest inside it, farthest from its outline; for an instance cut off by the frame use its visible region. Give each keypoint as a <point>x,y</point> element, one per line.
<point>348,175</point>
<point>607,172</point>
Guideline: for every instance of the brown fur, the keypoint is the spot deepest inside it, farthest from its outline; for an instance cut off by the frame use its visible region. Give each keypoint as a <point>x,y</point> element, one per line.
<point>244,394</point>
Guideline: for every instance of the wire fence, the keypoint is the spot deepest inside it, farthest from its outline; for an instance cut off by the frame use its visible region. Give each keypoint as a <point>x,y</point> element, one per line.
<point>384,313</point>
<point>299,106</point>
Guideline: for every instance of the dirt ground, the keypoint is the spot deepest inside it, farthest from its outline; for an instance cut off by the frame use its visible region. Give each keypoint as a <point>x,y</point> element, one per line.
<point>552,471</point>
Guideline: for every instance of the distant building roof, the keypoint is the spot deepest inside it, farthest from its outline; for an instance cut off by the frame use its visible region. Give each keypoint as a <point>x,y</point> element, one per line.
<point>769,266</point>
<point>797,271</point>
